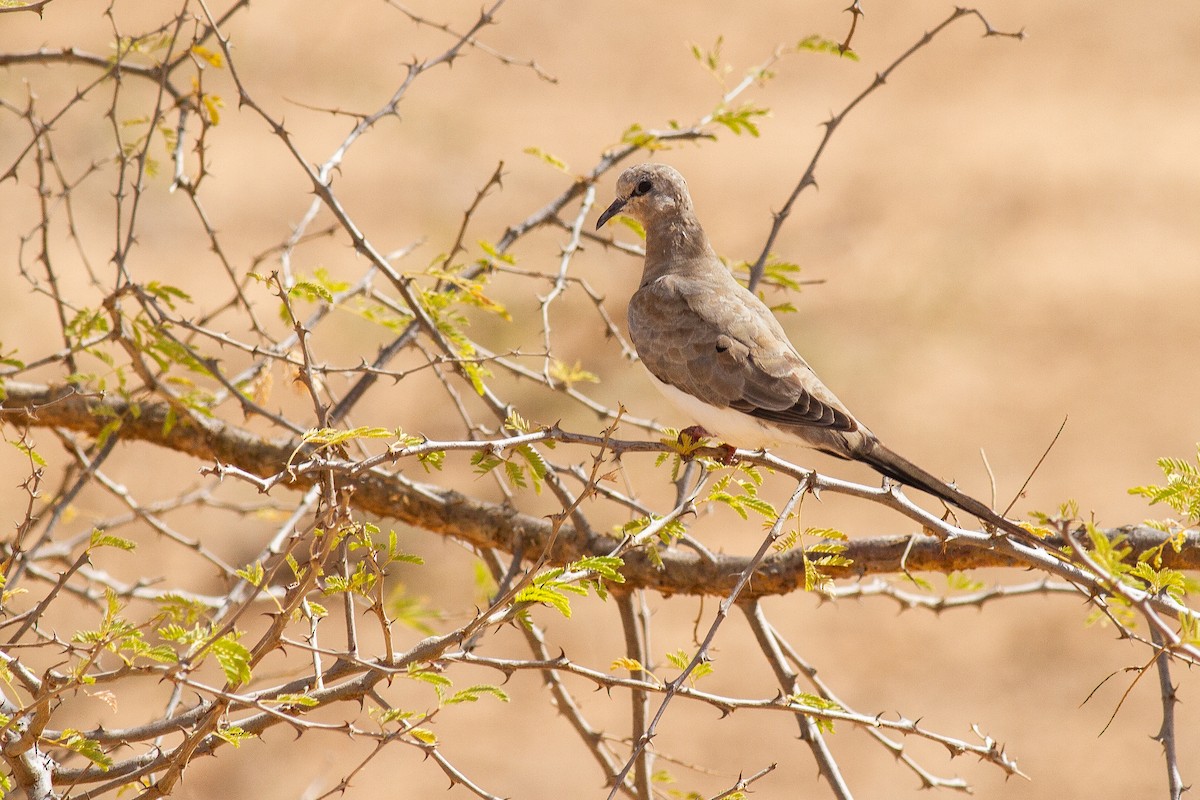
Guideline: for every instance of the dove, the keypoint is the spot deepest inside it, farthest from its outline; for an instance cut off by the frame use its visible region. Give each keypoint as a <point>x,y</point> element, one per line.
<point>716,350</point>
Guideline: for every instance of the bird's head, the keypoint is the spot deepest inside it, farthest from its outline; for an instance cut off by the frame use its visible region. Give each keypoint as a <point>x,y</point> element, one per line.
<point>647,192</point>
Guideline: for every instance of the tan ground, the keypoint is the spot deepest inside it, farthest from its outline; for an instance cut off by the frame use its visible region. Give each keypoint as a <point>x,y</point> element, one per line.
<point>1008,234</point>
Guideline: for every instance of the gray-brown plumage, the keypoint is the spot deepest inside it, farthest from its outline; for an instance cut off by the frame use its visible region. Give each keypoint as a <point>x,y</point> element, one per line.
<point>718,351</point>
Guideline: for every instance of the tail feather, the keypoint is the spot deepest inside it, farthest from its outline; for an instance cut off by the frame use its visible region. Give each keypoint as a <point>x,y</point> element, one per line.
<point>901,470</point>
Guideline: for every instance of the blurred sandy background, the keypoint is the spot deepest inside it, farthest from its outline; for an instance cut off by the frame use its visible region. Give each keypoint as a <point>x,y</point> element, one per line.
<point>1008,234</point>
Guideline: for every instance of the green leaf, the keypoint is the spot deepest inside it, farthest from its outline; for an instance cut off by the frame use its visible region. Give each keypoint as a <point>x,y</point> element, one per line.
<point>173,632</point>
<point>233,657</point>
<point>961,582</point>
<point>787,541</point>
<point>626,663</point>
<point>711,59</point>
<point>740,120</point>
<point>395,554</point>
<point>423,735</point>
<point>85,324</point>
<point>484,461</point>
<point>334,436</point>
<point>360,582</point>
<point>302,700</point>
<point>637,136</point>
<point>670,532</point>
<point>1181,492</point>
<point>633,225</point>
<point>432,460</point>
<point>607,567</point>
<point>729,500</point>
<point>108,430</point>
<point>102,539</point>
<point>818,44</point>
<point>213,57</point>
<point>166,293</point>
<point>680,660</point>
<point>516,423</point>
<point>777,274</point>
<point>435,679</point>
<point>30,453</point>
<point>311,291</point>
<point>138,648</point>
<point>827,552</point>
<point>473,295</point>
<point>918,581</point>
<point>516,474</point>
<point>475,374</point>
<point>547,158</point>
<point>233,735</point>
<point>393,319</point>
<point>472,694</point>
<point>90,749</point>
<point>742,496</point>
<point>252,574</point>
<point>537,464</point>
<point>411,611</point>
<point>550,596</point>
<point>1189,630</point>
<point>760,506</point>
<point>1110,554</point>
<point>818,703</point>
<point>1162,581</point>
<point>569,376</point>
<point>386,715</point>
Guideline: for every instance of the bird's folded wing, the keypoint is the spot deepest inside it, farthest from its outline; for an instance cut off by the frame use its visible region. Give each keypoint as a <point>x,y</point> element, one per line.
<point>719,343</point>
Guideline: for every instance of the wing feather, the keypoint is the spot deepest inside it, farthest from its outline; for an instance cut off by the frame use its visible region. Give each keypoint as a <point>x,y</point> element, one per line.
<point>715,340</point>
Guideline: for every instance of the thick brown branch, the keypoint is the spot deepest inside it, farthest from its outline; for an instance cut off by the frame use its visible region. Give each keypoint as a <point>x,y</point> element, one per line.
<point>482,524</point>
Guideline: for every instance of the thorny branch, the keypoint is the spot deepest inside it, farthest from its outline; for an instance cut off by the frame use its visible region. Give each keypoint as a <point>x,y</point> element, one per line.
<point>197,383</point>
<point>809,178</point>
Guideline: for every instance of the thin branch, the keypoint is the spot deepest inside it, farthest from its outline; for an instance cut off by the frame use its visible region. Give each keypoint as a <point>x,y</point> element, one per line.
<point>701,656</point>
<point>1021,492</point>
<point>484,524</point>
<point>809,178</point>
<point>1166,732</point>
<point>810,733</point>
<point>639,700</point>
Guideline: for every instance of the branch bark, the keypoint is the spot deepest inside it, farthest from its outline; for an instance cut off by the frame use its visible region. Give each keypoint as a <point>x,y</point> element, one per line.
<point>482,524</point>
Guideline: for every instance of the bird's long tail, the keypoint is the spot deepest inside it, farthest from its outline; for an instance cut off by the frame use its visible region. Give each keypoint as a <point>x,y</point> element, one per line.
<point>901,470</point>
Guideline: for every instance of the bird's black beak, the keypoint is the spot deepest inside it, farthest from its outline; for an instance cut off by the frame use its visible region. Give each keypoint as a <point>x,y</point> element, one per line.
<point>611,211</point>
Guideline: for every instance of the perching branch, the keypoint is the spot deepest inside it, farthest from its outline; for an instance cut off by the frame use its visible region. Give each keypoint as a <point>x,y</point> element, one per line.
<point>445,511</point>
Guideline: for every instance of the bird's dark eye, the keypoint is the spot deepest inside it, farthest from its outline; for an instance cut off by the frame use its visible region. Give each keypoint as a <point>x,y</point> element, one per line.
<point>643,188</point>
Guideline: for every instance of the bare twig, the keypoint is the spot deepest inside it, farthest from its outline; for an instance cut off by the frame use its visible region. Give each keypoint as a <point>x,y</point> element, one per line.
<point>809,178</point>
<point>702,654</point>
<point>1166,732</point>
